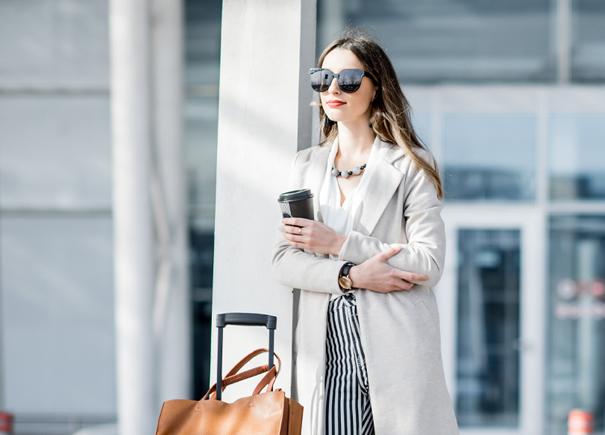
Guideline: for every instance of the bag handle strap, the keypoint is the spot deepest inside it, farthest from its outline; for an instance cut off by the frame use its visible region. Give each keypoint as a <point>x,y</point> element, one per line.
<point>236,368</point>
<point>211,393</point>
<point>233,376</point>
<point>268,380</point>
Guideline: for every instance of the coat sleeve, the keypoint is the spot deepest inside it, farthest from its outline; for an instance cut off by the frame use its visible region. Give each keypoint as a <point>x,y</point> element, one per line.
<point>425,251</point>
<point>300,269</point>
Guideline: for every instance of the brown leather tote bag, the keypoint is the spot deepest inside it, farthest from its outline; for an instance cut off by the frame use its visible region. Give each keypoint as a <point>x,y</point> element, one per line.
<point>263,413</point>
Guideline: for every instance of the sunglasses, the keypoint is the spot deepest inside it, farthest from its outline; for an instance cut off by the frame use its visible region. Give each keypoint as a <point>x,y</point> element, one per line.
<point>349,80</point>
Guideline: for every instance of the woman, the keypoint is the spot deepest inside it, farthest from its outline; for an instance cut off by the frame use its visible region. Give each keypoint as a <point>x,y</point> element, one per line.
<point>367,355</point>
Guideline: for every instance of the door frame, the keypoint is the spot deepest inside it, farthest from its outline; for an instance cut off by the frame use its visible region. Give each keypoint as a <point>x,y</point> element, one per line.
<point>530,222</point>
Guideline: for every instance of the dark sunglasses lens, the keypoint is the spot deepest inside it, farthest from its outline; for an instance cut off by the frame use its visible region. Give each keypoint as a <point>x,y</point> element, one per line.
<point>320,80</point>
<point>349,80</point>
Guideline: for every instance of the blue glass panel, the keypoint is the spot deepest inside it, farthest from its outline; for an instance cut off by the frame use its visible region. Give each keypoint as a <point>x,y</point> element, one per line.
<point>487,357</point>
<point>57,315</point>
<point>588,41</point>
<point>577,156</point>
<point>452,40</point>
<point>55,152</point>
<point>489,156</point>
<point>575,321</point>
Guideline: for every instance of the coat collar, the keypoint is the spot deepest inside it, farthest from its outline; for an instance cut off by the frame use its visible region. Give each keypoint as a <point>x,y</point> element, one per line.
<point>380,189</point>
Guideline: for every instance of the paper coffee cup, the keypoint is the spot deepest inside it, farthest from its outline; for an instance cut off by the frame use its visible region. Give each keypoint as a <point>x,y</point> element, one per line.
<point>297,203</point>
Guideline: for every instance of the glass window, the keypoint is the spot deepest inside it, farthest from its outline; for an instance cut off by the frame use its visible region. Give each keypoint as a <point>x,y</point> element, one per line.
<point>201,257</point>
<point>445,40</point>
<point>576,326</point>
<point>202,46</point>
<point>489,156</point>
<point>54,43</point>
<point>588,46</point>
<point>200,137</point>
<point>57,315</point>
<point>202,71</point>
<point>577,156</point>
<point>55,152</point>
<point>487,356</point>
<point>422,125</point>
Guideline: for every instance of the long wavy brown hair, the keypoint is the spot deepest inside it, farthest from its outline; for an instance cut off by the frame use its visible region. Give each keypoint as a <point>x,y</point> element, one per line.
<point>390,110</point>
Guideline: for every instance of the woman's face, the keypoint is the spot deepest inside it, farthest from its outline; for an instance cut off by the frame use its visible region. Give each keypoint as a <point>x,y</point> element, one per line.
<point>356,105</point>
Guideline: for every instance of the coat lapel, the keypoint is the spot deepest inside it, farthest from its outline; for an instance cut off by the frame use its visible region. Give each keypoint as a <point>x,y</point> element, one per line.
<point>381,186</point>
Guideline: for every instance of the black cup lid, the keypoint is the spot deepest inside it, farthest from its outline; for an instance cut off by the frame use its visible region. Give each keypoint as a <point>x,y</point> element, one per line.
<point>295,195</point>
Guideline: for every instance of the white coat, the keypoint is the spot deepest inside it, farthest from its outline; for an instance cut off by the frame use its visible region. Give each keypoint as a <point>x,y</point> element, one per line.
<point>399,330</point>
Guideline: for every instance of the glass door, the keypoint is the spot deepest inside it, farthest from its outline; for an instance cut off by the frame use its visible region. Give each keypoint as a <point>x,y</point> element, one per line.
<point>491,306</point>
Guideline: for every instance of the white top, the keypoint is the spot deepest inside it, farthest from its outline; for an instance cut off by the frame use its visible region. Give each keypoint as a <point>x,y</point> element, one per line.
<point>340,219</point>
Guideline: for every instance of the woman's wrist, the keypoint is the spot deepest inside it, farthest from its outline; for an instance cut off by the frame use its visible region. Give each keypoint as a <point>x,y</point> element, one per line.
<point>340,239</point>
<point>354,276</point>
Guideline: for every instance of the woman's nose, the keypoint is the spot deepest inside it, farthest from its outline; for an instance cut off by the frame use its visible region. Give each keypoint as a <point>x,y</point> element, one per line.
<point>334,86</point>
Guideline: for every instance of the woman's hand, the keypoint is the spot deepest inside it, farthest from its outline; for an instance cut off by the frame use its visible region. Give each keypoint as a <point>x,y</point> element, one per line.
<point>377,275</point>
<point>312,235</point>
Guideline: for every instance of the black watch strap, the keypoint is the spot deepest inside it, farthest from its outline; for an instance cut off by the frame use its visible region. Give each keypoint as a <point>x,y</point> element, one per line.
<point>344,271</point>
<point>346,268</point>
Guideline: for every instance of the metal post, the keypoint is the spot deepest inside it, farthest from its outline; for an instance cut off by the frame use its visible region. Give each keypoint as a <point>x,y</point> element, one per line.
<point>172,318</point>
<point>588,336</point>
<point>563,31</point>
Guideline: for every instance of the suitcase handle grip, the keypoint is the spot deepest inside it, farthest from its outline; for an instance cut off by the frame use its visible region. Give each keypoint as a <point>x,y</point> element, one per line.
<point>250,319</point>
<point>247,319</point>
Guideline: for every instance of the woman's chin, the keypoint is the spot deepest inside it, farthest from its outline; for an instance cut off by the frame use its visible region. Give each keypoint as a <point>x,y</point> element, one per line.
<point>346,120</point>
<point>337,117</point>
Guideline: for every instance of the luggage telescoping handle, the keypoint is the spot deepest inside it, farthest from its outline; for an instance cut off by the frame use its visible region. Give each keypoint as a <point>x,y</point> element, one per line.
<point>248,319</point>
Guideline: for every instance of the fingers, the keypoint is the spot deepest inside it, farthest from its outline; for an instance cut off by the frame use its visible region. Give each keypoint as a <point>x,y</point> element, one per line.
<point>405,280</point>
<point>401,280</point>
<point>400,284</point>
<point>391,284</point>
<point>294,239</point>
<point>299,222</point>
<point>294,225</point>
<point>385,255</point>
<point>411,276</point>
<point>406,285</point>
<point>291,229</point>
<point>401,274</point>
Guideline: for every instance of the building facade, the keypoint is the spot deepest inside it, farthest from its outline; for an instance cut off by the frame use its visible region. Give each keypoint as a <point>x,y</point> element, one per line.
<point>509,96</point>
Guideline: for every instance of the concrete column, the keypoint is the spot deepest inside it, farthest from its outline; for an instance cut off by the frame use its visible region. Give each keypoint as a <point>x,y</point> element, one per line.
<point>264,118</point>
<point>133,235</point>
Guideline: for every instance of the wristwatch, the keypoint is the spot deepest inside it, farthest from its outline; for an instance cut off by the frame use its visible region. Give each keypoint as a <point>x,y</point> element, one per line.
<point>344,281</point>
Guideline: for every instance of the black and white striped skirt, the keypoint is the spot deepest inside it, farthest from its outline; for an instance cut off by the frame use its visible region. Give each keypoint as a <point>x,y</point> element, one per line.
<point>348,410</point>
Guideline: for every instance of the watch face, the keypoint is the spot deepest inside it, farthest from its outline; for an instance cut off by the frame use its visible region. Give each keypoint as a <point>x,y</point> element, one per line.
<point>345,282</point>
